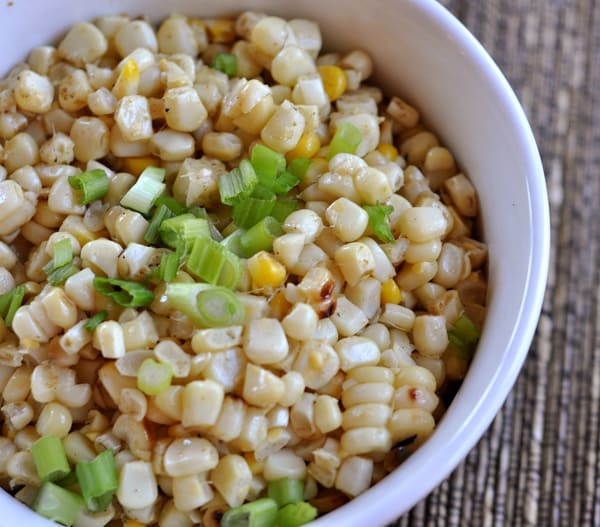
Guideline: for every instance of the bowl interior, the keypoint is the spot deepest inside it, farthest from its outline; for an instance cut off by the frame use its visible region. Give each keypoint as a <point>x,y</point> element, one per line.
<point>423,54</point>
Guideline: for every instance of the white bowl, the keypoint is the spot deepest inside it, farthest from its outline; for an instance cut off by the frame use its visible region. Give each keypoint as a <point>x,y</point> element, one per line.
<point>423,53</point>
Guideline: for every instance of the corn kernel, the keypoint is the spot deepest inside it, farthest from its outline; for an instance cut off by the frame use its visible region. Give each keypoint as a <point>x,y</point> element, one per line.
<point>279,305</point>
<point>390,293</point>
<point>221,30</point>
<point>133,523</point>
<point>334,81</point>
<point>128,80</point>
<point>136,165</point>
<point>308,146</point>
<point>389,151</point>
<point>265,271</point>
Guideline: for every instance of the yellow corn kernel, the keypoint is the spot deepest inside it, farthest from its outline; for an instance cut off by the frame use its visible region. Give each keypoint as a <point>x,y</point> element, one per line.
<point>308,146</point>
<point>133,523</point>
<point>334,81</point>
<point>279,305</point>
<point>128,80</point>
<point>390,293</point>
<point>265,271</point>
<point>221,30</point>
<point>389,151</point>
<point>136,165</point>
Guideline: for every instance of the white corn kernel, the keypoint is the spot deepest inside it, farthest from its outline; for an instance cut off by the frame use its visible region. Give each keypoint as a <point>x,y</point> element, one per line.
<point>231,419</point>
<point>171,145</point>
<point>33,92</point>
<point>109,339</point>
<point>317,362</point>
<point>261,387</point>
<point>430,335</point>
<point>288,247</point>
<point>422,224</point>
<point>367,414</point>
<point>348,318</point>
<point>357,351</point>
<point>83,44</point>
<point>301,322</point>
<point>137,485</point>
<point>349,221</point>
<point>90,136</point>
<point>366,295</point>
<point>232,478</point>
<point>202,401</point>
<point>408,422</point>
<point>81,290</point>
<point>291,63</point>
<point>397,316</point>
<point>132,116</point>
<point>294,388</point>
<point>284,129</point>
<point>188,456</point>
<point>355,261</point>
<point>101,255</point>
<point>365,440</point>
<point>216,339</point>
<point>305,222</point>
<point>354,476</point>
<point>327,414</point>
<point>184,110</point>
<point>265,341</point>
<point>284,464</point>
<point>367,392</point>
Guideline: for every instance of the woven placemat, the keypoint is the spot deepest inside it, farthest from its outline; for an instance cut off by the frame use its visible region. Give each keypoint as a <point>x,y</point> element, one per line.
<point>538,463</point>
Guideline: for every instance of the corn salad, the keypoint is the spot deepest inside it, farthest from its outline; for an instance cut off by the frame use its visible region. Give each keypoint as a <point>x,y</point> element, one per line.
<point>236,280</point>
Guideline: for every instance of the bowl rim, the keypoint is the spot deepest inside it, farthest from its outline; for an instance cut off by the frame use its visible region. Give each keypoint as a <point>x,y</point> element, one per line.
<point>359,511</point>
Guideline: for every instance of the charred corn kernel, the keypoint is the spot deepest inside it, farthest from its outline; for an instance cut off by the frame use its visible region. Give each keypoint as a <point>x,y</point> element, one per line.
<point>389,151</point>
<point>128,81</point>
<point>136,165</point>
<point>308,146</point>
<point>390,292</point>
<point>265,271</point>
<point>279,306</point>
<point>334,81</point>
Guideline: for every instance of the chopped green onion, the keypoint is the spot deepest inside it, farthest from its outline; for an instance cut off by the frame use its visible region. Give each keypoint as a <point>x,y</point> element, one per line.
<point>93,322</point>
<point>284,182</point>
<point>260,237</point>
<point>266,162</point>
<point>69,482</point>
<point>237,184</point>
<point>124,292</point>
<point>93,184</point>
<point>463,335</point>
<point>172,204</point>
<point>161,213</point>
<point>181,231</point>
<point>299,167</point>
<point>50,459</point>
<point>58,504</point>
<point>282,208</point>
<point>378,219</point>
<point>59,275</point>
<point>16,299</point>
<point>145,191</point>
<point>250,211</point>
<point>206,305</point>
<point>258,513</point>
<point>62,252</point>
<point>5,299</point>
<point>285,491</point>
<point>296,514</point>
<point>200,212</point>
<point>154,377</point>
<point>232,242</point>
<point>345,140</point>
<point>98,480</point>
<point>225,62</point>
<point>214,263</point>
<point>169,265</point>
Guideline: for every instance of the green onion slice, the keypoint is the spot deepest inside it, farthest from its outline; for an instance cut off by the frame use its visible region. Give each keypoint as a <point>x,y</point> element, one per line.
<point>258,513</point>
<point>169,265</point>
<point>145,191</point>
<point>171,203</point>
<point>378,219</point>
<point>124,292</point>
<point>237,184</point>
<point>266,162</point>
<point>58,504</point>
<point>181,231</point>
<point>225,62</point>
<point>249,212</point>
<point>214,263</point>
<point>50,459</point>
<point>299,166</point>
<point>232,242</point>
<point>92,184</point>
<point>260,237</point>
<point>98,480</point>
<point>10,302</point>
<point>154,377</point>
<point>285,491</point>
<point>59,275</point>
<point>161,213</point>
<point>62,252</point>
<point>463,335</point>
<point>206,305</point>
<point>345,140</point>
<point>282,208</point>
<point>295,515</point>
<point>93,322</point>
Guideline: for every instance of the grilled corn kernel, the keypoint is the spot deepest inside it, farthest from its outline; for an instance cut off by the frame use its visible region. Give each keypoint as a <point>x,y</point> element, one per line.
<point>390,292</point>
<point>334,81</point>
<point>265,271</point>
